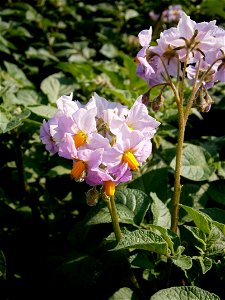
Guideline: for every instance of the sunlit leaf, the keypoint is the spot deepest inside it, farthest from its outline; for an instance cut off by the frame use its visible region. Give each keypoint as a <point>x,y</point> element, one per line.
<point>161,213</point>
<point>194,163</point>
<point>136,201</point>
<point>184,293</point>
<point>143,239</point>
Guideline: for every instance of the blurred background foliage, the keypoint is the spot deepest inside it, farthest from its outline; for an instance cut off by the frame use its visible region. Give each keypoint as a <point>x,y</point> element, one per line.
<point>55,47</point>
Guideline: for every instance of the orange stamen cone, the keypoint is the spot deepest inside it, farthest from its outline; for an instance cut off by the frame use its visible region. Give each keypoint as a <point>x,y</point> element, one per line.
<point>109,188</point>
<point>79,139</point>
<point>78,170</point>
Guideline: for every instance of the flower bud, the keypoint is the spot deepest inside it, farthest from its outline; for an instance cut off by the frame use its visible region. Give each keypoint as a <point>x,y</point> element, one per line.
<point>92,196</point>
<point>146,98</point>
<point>157,102</point>
<point>203,102</point>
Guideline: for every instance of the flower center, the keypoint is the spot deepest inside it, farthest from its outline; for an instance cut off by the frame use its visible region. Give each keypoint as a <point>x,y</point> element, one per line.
<point>79,139</point>
<point>78,171</point>
<point>128,157</point>
<point>109,188</point>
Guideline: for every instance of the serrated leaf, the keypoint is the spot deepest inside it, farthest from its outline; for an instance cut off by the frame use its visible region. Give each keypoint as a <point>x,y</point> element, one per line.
<point>161,213</point>
<point>145,240</point>
<point>201,220</point>
<point>136,201</point>
<point>44,111</point>
<point>194,164</point>
<point>184,293</point>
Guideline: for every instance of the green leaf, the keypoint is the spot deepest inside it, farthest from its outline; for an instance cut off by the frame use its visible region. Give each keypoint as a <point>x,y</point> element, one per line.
<point>4,119</point>
<point>27,97</point>
<point>50,86</point>
<point>41,54</point>
<point>218,217</point>
<point>124,293</point>
<point>136,201</point>
<point>101,215</point>
<point>214,7</point>
<point>161,213</point>
<point>56,85</point>
<point>130,13</point>
<point>205,263</point>
<point>45,111</point>
<point>58,171</point>
<point>215,242</point>
<point>81,72</point>
<point>200,219</point>
<point>184,262</point>
<point>11,121</point>
<point>109,50</point>
<point>184,293</point>
<point>169,236</point>
<point>194,163</point>
<point>152,180</point>
<point>198,238</point>
<point>17,74</point>
<point>145,240</point>
<point>127,97</point>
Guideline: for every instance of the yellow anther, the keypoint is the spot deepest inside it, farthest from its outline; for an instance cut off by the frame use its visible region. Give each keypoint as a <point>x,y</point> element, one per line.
<point>128,157</point>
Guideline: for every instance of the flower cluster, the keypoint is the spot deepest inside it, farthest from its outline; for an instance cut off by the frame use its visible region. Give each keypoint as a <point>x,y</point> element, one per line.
<point>197,49</point>
<point>105,140</point>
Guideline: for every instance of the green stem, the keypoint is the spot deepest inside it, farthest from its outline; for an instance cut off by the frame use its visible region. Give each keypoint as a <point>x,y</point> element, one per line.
<point>177,185</point>
<point>115,221</point>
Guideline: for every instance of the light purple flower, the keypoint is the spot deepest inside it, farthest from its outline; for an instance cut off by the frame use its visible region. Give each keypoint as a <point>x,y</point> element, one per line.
<point>172,14</point>
<point>209,77</point>
<point>137,119</point>
<point>198,36</point>
<point>74,131</point>
<point>46,137</point>
<point>67,105</point>
<point>132,141</point>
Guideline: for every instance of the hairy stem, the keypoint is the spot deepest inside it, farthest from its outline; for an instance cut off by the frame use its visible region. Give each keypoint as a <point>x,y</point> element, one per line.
<point>115,221</point>
<point>177,185</point>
